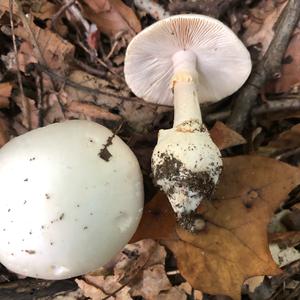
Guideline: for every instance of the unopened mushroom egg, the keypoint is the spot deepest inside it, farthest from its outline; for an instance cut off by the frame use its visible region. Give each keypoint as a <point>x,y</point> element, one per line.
<point>71,196</point>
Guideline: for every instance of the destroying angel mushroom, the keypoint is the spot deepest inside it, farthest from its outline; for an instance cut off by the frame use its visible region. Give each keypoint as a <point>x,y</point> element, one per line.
<point>71,196</point>
<point>185,60</point>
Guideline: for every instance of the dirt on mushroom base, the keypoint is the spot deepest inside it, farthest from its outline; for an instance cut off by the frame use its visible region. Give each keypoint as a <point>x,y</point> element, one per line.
<point>193,184</point>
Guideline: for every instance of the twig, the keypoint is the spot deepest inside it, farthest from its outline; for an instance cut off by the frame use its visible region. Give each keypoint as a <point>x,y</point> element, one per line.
<point>284,105</point>
<point>88,68</point>
<point>24,100</point>
<point>289,271</point>
<point>268,66</point>
<point>60,12</point>
<point>287,105</point>
<point>96,59</point>
<point>287,154</point>
<point>40,104</point>
<point>113,48</point>
<point>152,8</point>
<point>76,13</point>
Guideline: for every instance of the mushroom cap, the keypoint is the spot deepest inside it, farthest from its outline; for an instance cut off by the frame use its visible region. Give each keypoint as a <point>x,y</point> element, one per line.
<point>222,61</point>
<point>64,211</point>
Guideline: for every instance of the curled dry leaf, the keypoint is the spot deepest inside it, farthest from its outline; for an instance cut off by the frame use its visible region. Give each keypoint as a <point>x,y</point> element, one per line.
<point>225,137</point>
<point>234,244</point>
<point>112,17</point>
<point>53,48</point>
<point>5,93</point>
<point>154,280</point>
<point>90,291</point>
<point>137,270</point>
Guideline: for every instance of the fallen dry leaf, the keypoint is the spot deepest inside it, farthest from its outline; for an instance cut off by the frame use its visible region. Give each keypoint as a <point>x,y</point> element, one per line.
<point>4,131</point>
<point>33,113</point>
<point>187,288</point>
<point>90,291</point>
<point>112,17</point>
<point>225,137</point>
<point>260,24</point>
<point>154,280</point>
<point>284,256</point>
<point>43,9</point>
<point>4,6</point>
<point>285,239</point>
<point>138,270</point>
<point>53,111</point>
<point>289,80</point>
<point>25,56</point>
<point>287,140</point>
<point>139,115</point>
<point>53,48</point>
<point>175,293</point>
<point>234,244</point>
<point>92,111</point>
<point>5,92</point>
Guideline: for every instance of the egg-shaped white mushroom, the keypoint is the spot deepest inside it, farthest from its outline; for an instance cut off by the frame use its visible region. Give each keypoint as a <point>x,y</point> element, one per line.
<point>71,196</point>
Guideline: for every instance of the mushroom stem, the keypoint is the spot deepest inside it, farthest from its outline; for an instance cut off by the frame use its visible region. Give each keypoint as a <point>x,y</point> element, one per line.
<point>186,104</point>
<point>186,163</point>
<point>184,84</point>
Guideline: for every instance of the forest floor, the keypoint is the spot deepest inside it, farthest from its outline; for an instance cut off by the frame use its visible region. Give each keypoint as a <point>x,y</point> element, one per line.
<point>63,59</point>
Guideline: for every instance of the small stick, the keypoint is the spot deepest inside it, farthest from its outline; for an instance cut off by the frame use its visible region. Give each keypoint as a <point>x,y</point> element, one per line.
<point>288,153</point>
<point>286,105</point>
<point>24,100</point>
<point>60,12</point>
<point>268,66</point>
<point>89,69</point>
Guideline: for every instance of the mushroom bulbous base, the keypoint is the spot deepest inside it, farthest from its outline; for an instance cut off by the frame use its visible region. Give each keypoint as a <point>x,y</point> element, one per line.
<point>186,165</point>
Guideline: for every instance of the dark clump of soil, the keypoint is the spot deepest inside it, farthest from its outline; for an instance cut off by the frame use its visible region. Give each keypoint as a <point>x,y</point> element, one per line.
<point>195,184</point>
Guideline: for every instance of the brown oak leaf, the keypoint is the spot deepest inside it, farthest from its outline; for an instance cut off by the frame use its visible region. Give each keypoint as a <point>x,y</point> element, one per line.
<point>5,93</point>
<point>112,16</point>
<point>233,245</point>
<point>52,47</point>
<point>225,137</point>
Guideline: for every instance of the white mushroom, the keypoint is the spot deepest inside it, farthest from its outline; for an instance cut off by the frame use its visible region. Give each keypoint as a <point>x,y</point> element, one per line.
<point>71,196</point>
<point>185,60</point>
